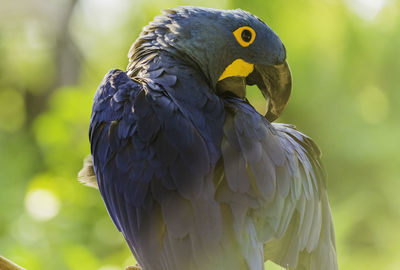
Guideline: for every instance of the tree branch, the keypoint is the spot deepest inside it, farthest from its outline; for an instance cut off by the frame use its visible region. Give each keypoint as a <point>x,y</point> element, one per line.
<point>8,265</point>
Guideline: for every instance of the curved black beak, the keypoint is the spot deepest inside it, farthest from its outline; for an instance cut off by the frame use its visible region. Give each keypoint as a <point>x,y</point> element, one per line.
<point>275,83</point>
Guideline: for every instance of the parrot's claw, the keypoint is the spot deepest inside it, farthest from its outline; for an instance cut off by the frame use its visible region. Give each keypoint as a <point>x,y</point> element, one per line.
<point>136,267</point>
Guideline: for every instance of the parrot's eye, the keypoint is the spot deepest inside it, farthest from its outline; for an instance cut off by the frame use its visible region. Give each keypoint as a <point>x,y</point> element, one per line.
<point>245,35</point>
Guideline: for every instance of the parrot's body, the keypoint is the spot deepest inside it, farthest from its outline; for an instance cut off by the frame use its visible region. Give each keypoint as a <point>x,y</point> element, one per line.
<point>191,174</point>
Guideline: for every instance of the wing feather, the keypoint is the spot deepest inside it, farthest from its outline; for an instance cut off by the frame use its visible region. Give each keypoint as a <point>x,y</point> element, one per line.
<point>153,167</point>
<point>293,219</point>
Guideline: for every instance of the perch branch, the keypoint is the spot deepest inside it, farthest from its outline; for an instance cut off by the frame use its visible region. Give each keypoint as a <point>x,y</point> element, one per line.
<point>8,265</point>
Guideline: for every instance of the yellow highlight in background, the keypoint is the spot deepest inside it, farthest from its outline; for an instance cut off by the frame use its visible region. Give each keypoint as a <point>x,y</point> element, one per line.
<point>42,204</point>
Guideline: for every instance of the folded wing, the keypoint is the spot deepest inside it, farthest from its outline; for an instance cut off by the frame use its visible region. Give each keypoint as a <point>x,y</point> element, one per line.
<point>282,203</point>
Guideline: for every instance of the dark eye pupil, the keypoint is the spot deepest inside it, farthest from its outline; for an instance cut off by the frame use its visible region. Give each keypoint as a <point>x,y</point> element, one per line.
<point>246,35</point>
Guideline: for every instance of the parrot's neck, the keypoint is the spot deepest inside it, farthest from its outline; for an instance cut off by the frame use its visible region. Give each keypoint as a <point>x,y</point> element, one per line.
<point>154,49</point>
<point>175,73</point>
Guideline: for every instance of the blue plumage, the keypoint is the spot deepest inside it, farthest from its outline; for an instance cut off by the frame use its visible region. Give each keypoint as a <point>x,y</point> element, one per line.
<point>191,174</point>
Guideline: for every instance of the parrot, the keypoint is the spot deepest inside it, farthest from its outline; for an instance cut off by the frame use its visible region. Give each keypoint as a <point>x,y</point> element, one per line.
<point>191,174</point>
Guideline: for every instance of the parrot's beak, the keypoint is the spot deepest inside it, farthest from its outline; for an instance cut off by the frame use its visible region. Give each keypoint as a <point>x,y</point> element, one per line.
<point>275,83</point>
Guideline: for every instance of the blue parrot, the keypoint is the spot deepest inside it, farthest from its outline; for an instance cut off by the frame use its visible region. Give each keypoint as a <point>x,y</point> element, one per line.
<point>190,173</point>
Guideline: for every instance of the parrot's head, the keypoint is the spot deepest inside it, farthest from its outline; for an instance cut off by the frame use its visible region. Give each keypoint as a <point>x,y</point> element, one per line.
<point>233,48</point>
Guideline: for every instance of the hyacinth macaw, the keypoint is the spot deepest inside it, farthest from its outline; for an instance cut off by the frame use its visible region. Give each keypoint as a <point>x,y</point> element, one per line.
<point>191,174</point>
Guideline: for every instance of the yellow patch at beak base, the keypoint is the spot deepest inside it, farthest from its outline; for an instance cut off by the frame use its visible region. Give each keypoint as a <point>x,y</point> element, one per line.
<point>238,68</point>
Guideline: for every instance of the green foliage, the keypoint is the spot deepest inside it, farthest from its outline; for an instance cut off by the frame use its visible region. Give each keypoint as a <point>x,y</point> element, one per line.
<point>345,61</point>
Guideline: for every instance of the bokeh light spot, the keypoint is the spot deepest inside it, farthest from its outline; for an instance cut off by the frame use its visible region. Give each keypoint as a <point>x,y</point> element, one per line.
<point>373,105</point>
<point>367,9</point>
<point>26,231</point>
<point>42,204</point>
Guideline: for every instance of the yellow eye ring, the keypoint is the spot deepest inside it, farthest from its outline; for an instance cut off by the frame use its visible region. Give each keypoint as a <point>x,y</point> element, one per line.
<point>245,35</point>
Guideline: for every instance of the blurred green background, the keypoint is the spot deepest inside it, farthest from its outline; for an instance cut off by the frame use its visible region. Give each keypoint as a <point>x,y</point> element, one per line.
<point>345,60</point>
